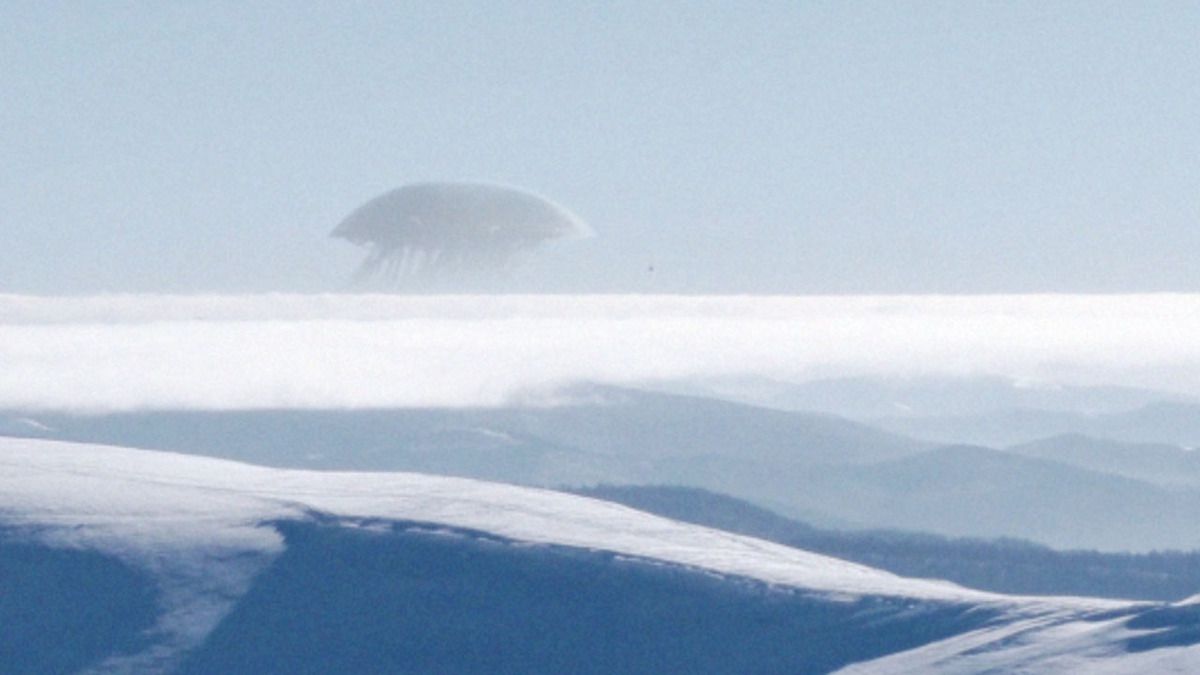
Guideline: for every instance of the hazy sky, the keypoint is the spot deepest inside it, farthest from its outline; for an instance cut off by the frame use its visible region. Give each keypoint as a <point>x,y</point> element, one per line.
<point>790,147</point>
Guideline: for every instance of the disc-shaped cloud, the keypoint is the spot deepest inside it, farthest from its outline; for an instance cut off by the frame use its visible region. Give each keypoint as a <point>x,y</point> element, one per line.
<point>431,228</point>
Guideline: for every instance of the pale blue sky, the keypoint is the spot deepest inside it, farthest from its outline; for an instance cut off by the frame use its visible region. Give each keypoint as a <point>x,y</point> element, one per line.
<point>785,147</point>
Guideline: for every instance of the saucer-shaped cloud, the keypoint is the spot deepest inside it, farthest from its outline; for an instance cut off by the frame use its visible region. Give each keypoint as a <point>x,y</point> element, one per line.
<point>438,228</point>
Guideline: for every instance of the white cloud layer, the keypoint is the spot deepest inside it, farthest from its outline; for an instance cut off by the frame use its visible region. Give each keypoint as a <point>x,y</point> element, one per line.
<point>227,352</point>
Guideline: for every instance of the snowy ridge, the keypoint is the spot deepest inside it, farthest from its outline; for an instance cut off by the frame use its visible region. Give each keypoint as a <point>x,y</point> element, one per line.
<point>122,497</point>
<point>200,527</point>
<point>1038,646</point>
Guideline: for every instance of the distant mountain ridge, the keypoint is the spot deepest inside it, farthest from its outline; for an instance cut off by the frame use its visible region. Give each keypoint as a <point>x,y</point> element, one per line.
<point>826,470</point>
<point>1159,463</point>
<point>1000,565</point>
<point>1162,422</point>
<point>975,491</point>
<point>872,397</point>
<point>982,410</point>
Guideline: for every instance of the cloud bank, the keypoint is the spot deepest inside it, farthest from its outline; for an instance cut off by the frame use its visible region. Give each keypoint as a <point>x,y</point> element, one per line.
<point>333,351</point>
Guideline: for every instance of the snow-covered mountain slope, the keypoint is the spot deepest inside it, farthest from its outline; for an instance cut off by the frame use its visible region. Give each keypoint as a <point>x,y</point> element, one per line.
<point>223,548</point>
<point>825,470</point>
<point>1162,640</point>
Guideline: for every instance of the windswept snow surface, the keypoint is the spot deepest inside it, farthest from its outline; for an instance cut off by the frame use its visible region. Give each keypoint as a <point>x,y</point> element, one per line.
<point>124,500</point>
<point>202,528</point>
<point>1106,647</point>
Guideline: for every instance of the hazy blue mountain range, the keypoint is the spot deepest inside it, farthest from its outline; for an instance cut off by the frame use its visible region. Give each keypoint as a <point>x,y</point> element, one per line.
<point>974,491</point>
<point>865,398</point>
<point>610,435</point>
<point>982,410</point>
<point>1172,423</point>
<point>1160,463</point>
<point>817,467</point>
<point>1001,565</point>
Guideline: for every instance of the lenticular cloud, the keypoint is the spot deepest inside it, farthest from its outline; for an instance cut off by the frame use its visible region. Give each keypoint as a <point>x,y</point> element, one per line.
<point>437,229</point>
<point>233,352</point>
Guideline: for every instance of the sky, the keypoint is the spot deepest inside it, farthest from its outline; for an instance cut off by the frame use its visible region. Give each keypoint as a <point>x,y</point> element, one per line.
<point>784,148</point>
